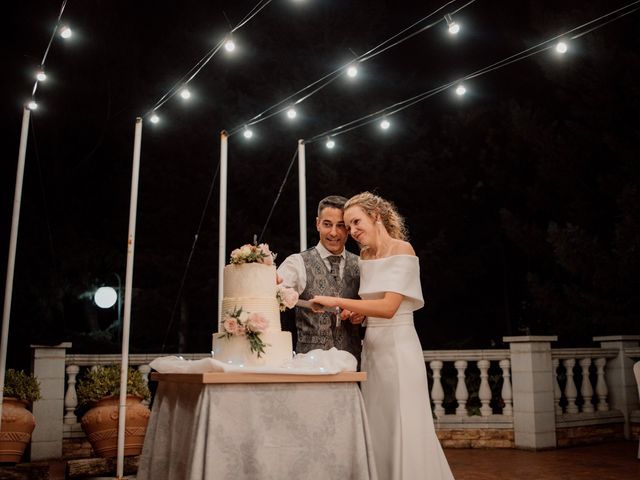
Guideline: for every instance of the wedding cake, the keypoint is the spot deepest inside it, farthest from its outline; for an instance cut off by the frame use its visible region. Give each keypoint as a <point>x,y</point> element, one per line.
<point>249,331</point>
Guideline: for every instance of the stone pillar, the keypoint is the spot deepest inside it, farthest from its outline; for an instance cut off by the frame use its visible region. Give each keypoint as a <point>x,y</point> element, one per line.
<point>532,376</point>
<point>623,393</point>
<point>48,367</point>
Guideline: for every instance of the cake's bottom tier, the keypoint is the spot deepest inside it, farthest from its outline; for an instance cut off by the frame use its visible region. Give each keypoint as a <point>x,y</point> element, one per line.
<point>236,350</point>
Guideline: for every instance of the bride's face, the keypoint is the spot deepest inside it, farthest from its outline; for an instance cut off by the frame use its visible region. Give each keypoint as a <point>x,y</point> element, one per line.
<point>361,226</point>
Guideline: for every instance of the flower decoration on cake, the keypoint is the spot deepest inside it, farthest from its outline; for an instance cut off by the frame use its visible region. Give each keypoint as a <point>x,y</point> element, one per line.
<point>287,297</point>
<point>251,325</point>
<point>253,254</point>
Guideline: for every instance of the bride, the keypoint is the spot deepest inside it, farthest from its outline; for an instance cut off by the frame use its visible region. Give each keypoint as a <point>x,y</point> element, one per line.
<point>396,393</point>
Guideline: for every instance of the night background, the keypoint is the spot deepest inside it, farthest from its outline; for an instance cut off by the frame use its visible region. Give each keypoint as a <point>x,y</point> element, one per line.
<point>522,197</point>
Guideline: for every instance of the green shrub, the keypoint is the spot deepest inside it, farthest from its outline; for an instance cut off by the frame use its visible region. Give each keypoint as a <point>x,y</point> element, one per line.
<point>21,386</point>
<point>105,382</point>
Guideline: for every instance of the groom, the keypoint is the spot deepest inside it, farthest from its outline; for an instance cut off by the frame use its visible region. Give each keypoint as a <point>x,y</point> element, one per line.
<point>326,269</point>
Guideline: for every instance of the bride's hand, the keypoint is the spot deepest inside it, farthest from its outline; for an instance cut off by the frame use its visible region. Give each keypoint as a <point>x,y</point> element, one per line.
<point>323,301</point>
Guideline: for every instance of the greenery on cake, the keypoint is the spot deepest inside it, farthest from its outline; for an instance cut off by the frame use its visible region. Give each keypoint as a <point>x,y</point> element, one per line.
<point>250,325</point>
<point>253,254</point>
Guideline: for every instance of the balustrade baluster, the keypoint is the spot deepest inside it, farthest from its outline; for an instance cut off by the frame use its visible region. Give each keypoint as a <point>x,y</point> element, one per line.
<point>70,396</point>
<point>557,394</point>
<point>507,392</point>
<point>462,394</point>
<point>586,390</point>
<point>437,392</point>
<point>144,371</point>
<point>485,390</point>
<point>570,391</point>
<point>601,385</point>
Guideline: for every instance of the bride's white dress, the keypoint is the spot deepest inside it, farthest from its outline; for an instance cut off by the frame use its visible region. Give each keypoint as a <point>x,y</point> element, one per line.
<point>396,393</point>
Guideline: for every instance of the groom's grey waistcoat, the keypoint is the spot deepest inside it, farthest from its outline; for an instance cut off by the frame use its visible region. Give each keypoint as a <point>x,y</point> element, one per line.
<point>318,330</point>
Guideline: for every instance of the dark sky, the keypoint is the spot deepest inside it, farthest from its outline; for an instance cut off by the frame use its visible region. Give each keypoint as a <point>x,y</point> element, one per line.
<point>125,55</point>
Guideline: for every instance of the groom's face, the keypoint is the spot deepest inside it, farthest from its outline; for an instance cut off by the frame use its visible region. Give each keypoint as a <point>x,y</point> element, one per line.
<point>333,233</point>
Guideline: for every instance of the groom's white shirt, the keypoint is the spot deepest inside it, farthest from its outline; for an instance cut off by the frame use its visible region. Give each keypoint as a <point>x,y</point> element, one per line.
<point>294,274</point>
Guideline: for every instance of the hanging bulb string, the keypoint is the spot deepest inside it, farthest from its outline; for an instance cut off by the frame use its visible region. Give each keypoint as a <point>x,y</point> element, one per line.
<point>275,202</point>
<point>330,77</point>
<point>536,49</point>
<point>46,51</point>
<point>254,11</point>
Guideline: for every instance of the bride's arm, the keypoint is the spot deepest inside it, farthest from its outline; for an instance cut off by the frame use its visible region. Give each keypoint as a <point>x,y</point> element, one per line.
<point>385,307</point>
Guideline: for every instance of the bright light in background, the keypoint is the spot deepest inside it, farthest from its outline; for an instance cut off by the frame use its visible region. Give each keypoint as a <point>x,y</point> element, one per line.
<point>248,133</point>
<point>454,27</point>
<point>41,76</point>
<point>65,32</point>
<point>291,113</point>
<point>385,124</point>
<point>460,90</point>
<point>562,47</point>
<point>330,143</point>
<point>105,297</point>
<point>154,118</point>
<point>32,105</point>
<point>229,45</point>
<point>352,71</point>
<point>185,93</point>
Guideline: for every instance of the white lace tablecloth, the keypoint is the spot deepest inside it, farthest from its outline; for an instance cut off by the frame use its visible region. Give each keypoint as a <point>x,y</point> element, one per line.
<point>272,431</point>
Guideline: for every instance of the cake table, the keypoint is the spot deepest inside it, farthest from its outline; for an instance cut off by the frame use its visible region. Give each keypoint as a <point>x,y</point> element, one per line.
<point>257,426</point>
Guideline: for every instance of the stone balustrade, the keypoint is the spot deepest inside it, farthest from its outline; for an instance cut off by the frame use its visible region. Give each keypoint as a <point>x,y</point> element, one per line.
<point>527,396</point>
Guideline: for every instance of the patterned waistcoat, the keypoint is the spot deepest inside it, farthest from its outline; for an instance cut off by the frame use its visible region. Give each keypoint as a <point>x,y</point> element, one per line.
<point>318,330</point>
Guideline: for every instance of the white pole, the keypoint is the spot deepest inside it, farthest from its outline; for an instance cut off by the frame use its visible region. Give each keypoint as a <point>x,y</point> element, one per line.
<point>133,206</point>
<point>302,195</point>
<point>8,288</point>
<point>222,228</point>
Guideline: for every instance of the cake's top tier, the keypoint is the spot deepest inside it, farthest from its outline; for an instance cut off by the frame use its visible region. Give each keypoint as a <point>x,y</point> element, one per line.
<point>250,280</point>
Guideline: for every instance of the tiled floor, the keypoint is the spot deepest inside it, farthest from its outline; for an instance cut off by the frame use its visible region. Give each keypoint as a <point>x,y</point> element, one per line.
<point>611,461</point>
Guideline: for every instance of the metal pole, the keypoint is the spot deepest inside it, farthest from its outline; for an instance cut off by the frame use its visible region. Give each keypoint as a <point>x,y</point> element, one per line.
<point>302,194</point>
<point>122,410</point>
<point>222,228</point>
<point>8,288</point>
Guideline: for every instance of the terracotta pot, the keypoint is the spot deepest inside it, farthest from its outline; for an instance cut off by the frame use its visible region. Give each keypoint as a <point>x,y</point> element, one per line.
<point>17,425</point>
<point>100,424</point>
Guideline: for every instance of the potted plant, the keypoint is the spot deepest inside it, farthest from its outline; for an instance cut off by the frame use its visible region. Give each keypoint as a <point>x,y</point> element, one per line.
<point>100,389</point>
<point>18,423</point>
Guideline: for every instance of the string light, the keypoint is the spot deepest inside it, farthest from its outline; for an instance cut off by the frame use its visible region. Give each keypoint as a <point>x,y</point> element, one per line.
<point>460,90</point>
<point>32,105</point>
<point>330,143</point>
<point>154,118</point>
<point>65,32</point>
<point>248,133</point>
<point>40,75</point>
<point>454,27</point>
<point>229,45</point>
<point>352,71</point>
<point>291,113</point>
<point>185,93</point>
<point>562,47</point>
<point>385,124</point>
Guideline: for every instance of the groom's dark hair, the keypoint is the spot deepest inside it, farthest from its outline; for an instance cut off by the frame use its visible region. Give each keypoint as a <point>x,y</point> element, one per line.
<point>332,201</point>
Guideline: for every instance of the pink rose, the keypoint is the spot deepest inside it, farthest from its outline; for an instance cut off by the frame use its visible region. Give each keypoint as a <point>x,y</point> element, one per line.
<point>230,325</point>
<point>289,297</point>
<point>257,322</point>
<point>267,256</point>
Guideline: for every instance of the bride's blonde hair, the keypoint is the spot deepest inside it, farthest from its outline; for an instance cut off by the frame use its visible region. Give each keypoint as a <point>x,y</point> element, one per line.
<point>373,205</point>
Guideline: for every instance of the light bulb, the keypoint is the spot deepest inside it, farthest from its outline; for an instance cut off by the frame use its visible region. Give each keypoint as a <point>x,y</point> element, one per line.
<point>330,143</point>
<point>562,47</point>
<point>41,76</point>
<point>229,45</point>
<point>32,105</point>
<point>460,90</point>
<point>154,118</point>
<point>454,28</point>
<point>185,93</point>
<point>352,71</point>
<point>291,113</point>
<point>65,32</point>
<point>247,133</point>
<point>385,124</point>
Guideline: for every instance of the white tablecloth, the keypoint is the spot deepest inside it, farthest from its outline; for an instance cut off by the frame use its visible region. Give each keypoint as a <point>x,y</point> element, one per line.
<point>257,431</point>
